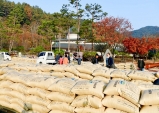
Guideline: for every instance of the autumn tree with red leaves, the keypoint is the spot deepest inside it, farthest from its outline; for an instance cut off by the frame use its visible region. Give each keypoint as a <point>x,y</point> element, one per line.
<point>112,31</point>
<point>140,46</point>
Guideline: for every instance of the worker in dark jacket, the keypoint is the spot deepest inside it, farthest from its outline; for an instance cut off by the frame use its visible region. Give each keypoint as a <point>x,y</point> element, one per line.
<point>141,64</point>
<point>110,62</point>
<point>95,59</point>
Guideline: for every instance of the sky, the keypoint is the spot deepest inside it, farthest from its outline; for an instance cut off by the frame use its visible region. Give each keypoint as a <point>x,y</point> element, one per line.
<point>139,13</point>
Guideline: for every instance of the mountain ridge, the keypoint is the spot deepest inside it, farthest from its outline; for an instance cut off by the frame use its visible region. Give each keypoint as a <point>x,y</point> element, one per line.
<point>146,31</point>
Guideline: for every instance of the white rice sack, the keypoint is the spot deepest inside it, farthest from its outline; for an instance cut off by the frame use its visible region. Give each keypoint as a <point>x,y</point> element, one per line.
<point>138,82</point>
<point>120,103</point>
<point>33,68</point>
<point>89,88</point>
<point>19,87</point>
<point>38,92</point>
<point>58,68</point>
<point>63,85</point>
<point>55,105</point>
<point>38,108</point>
<point>4,70</point>
<point>150,97</point>
<point>101,78</point>
<point>150,109</point>
<point>62,97</point>
<point>6,98</point>
<point>147,86</point>
<point>5,91</point>
<point>58,111</point>
<point>57,74</point>
<point>11,75</point>
<point>85,76</point>
<point>71,69</point>
<point>31,111</point>
<point>87,100</point>
<point>17,94</point>
<point>37,100</point>
<point>45,68</point>
<point>19,102</point>
<point>120,74</point>
<point>70,75</point>
<point>89,110</point>
<point>101,72</point>
<point>87,69</point>
<point>17,108</point>
<point>112,110</point>
<point>142,75</point>
<point>3,64</point>
<point>5,104</point>
<point>117,79</point>
<point>5,83</point>
<point>125,89</point>
<point>42,82</point>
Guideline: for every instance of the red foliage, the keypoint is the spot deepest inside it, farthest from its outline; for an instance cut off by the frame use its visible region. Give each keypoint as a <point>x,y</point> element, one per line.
<point>140,46</point>
<point>111,30</point>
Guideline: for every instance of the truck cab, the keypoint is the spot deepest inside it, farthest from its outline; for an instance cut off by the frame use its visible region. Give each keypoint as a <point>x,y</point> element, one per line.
<point>5,56</point>
<point>46,57</point>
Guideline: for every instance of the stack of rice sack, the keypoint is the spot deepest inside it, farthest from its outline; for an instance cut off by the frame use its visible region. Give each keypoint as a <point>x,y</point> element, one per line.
<point>117,74</point>
<point>102,74</point>
<point>142,77</point>
<point>28,92</point>
<point>150,101</point>
<point>121,96</point>
<point>126,66</point>
<point>89,96</point>
<point>26,60</point>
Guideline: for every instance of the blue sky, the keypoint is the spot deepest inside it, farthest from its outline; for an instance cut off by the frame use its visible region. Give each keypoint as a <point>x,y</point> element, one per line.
<point>140,13</point>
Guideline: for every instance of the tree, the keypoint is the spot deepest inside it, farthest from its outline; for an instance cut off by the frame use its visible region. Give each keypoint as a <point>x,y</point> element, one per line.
<point>112,31</point>
<point>85,30</point>
<point>139,46</point>
<point>78,15</point>
<point>94,10</point>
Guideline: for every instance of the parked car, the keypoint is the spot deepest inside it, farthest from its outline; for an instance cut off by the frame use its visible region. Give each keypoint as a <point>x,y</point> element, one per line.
<point>46,57</point>
<point>5,56</point>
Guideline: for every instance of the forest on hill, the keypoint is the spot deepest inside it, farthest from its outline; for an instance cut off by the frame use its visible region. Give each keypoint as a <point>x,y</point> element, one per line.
<point>23,27</point>
<point>29,29</point>
<point>146,31</point>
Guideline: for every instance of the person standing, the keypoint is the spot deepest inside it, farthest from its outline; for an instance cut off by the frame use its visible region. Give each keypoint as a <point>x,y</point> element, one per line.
<point>68,56</point>
<point>61,60</point>
<point>110,61</point>
<point>107,57</point>
<point>79,60</point>
<point>95,59</point>
<point>141,64</point>
<point>65,60</point>
<point>57,58</point>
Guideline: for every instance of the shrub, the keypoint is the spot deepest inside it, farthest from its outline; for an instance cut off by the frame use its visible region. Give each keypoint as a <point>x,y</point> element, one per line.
<point>56,52</point>
<point>88,55</point>
<point>37,50</point>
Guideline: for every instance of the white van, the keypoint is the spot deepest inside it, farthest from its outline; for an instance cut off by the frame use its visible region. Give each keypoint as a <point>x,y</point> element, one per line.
<point>5,55</point>
<point>46,57</point>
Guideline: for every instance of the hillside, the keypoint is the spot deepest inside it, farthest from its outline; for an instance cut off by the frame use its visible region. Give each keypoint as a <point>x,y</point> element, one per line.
<point>146,31</point>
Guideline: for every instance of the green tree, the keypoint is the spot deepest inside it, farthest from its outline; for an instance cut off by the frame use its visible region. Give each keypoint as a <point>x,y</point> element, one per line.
<point>96,13</point>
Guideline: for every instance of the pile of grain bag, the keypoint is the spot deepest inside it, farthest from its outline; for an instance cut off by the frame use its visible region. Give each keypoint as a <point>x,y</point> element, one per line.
<point>87,88</point>
<point>150,101</point>
<point>126,66</point>
<point>122,95</point>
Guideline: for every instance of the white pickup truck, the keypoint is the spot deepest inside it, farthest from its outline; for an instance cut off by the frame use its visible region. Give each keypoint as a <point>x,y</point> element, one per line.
<point>46,57</point>
<point>5,55</point>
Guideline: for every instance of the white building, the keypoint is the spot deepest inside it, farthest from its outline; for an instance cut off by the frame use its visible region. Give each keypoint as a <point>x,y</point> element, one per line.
<point>70,43</point>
